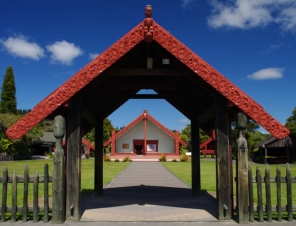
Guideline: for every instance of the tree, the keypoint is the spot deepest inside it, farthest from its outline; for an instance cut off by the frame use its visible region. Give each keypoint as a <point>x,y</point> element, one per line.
<point>291,123</point>
<point>22,146</point>
<point>185,135</point>
<point>8,90</point>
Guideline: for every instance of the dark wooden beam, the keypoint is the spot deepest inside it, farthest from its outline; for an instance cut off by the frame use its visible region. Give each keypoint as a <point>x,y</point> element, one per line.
<point>73,182</point>
<point>195,158</point>
<point>148,72</point>
<point>222,159</point>
<point>206,116</point>
<point>147,96</point>
<point>162,86</point>
<point>98,180</point>
<point>89,117</point>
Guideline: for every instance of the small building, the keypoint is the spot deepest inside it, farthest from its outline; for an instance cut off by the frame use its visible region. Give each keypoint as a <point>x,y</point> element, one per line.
<point>46,145</point>
<point>274,150</point>
<point>145,136</point>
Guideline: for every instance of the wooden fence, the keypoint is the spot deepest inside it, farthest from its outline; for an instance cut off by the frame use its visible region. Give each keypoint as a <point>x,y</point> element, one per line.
<point>266,182</point>
<point>16,180</point>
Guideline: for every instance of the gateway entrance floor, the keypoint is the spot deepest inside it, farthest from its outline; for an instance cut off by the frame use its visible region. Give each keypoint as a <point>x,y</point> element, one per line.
<point>147,192</point>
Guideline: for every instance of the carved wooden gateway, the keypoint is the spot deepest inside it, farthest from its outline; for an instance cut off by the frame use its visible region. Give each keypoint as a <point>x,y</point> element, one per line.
<point>149,57</point>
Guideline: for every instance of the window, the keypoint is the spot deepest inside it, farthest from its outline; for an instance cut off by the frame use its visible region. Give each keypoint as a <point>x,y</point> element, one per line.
<point>151,147</point>
<point>125,146</point>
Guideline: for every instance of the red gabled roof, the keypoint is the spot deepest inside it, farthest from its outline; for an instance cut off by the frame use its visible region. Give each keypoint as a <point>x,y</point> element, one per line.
<point>144,115</point>
<point>144,31</point>
<point>205,143</point>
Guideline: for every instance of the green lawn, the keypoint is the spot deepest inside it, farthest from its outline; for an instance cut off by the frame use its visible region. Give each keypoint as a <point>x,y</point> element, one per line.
<point>111,170</point>
<point>208,177</point>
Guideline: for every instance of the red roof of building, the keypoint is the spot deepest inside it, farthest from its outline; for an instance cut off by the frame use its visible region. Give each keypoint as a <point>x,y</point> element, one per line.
<point>144,31</point>
<point>144,115</point>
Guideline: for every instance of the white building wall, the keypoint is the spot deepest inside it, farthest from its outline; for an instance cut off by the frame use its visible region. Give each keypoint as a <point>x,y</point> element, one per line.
<point>166,144</point>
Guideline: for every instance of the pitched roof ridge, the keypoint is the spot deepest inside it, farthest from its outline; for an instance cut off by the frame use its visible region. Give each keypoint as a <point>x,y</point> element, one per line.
<point>79,80</point>
<point>219,82</point>
<point>158,124</point>
<point>206,142</point>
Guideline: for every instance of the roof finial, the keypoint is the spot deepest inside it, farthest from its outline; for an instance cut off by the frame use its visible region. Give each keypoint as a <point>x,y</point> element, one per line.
<point>148,22</point>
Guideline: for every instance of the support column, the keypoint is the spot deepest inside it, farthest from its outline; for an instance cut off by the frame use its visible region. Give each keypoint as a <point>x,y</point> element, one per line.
<point>195,158</point>
<point>242,190</point>
<point>145,136</point>
<point>113,142</point>
<point>73,184</point>
<point>222,159</point>
<point>177,142</point>
<point>99,158</point>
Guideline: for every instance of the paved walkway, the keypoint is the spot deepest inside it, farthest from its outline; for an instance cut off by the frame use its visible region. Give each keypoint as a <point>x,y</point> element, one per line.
<point>147,192</point>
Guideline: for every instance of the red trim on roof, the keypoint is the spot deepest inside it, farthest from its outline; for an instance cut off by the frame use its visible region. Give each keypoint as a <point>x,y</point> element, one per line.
<point>175,47</point>
<point>144,115</point>
<point>76,83</point>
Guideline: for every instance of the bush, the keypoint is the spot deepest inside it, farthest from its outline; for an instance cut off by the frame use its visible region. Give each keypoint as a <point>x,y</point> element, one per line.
<point>50,155</point>
<point>127,159</point>
<point>183,158</point>
<point>162,158</point>
<point>106,158</point>
<point>116,160</point>
<point>174,160</point>
<point>86,156</point>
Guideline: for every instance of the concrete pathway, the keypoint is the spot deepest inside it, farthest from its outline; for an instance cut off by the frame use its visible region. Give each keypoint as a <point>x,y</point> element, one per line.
<point>147,192</point>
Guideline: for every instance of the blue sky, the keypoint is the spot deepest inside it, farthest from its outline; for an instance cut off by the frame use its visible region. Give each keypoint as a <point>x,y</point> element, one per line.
<point>251,42</point>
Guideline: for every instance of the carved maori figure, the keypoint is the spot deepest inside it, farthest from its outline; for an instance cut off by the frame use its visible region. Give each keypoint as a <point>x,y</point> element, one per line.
<point>148,24</point>
<point>58,183</point>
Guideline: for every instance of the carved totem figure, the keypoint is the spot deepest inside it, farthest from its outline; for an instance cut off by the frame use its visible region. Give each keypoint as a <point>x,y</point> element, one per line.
<point>148,22</point>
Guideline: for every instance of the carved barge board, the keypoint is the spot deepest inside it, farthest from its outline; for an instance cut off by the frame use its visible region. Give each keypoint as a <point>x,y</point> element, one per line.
<point>120,48</point>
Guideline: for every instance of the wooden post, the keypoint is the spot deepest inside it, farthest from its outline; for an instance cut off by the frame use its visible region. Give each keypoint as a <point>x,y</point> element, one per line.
<point>242,171</point>
<point>4,194</point>
<point>268,193</point>
<point>73,199</point>
<point>98,181</point>
<point>251,195</point>
<point>26,190</point>
<point>35,197</point>
<point>195,158</point>
<point>46,180</point>
<point>58,175</point>
<point>14,197</point>
<point>222,159</point>
<point>278,194</point>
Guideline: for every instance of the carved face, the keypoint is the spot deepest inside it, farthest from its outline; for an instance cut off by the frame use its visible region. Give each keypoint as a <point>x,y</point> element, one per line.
<point>59,127</point>
<point>148,11</point>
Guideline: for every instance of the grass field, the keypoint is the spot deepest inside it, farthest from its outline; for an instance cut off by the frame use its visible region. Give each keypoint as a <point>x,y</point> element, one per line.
<point>111,170</point>
<point>208,177</point>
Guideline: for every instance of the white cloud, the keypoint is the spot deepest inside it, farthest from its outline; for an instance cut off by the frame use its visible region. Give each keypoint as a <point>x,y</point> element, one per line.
<point>93,55</point>
<point>246,14</point>
<point>267,73</point>
<point>64,52</point>
<point>185,3</point>
<point>21,47</point>
<point>184,120</point>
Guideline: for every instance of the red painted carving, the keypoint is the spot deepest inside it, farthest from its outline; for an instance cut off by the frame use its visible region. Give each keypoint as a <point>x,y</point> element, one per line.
<point>219,82</point>
<point>148,24</point>
<point>149,30</point>
<point>76,83</point>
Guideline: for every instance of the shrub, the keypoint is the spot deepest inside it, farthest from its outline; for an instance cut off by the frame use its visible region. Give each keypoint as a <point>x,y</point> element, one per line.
<point>49,155</point>
<point>183,158</point>
<point>86,156</point>
<point>162,158</point>
<point>174,160</point>
<point>127,159</point>
<point>116,160</point>
<point>106,158</point>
